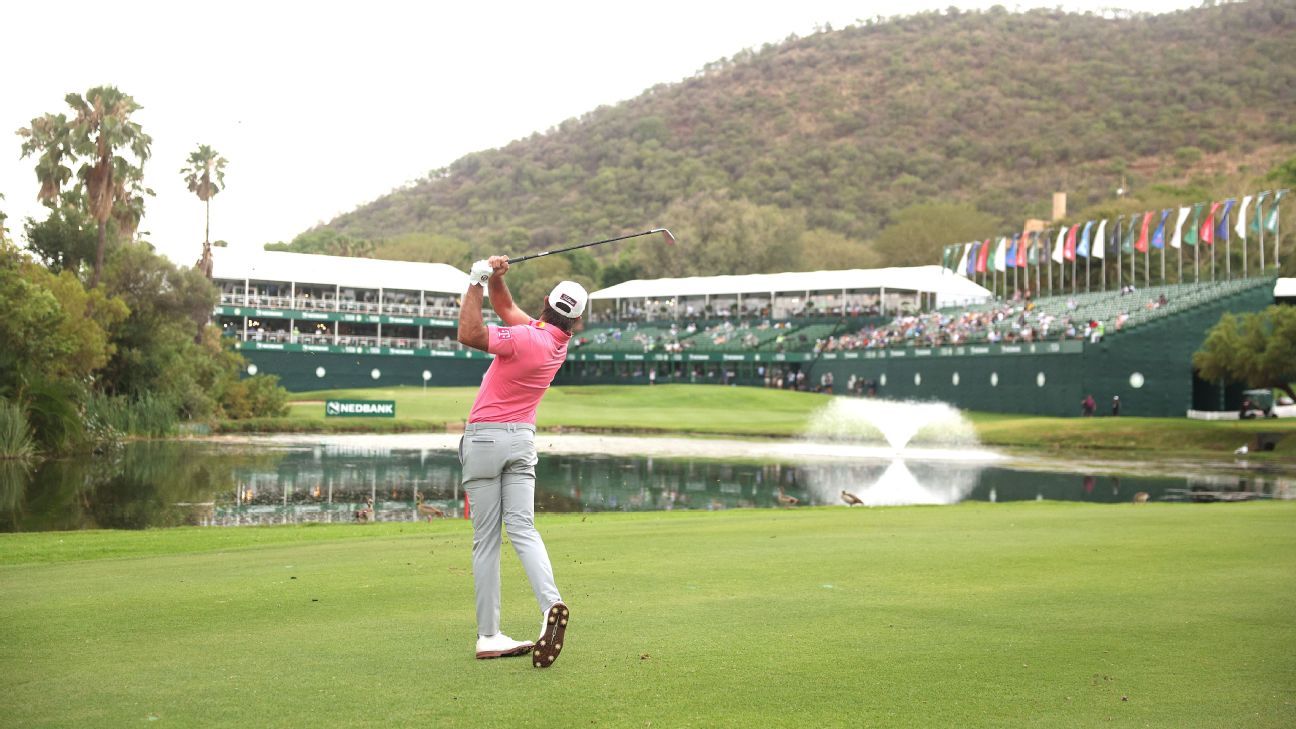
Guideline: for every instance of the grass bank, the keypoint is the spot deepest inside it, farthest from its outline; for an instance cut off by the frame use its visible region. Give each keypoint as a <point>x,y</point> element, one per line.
<point>1032,614</point>
<point>743,411</point>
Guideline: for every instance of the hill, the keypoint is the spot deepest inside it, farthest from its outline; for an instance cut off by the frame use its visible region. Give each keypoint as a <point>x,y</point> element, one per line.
<point>828,138</point>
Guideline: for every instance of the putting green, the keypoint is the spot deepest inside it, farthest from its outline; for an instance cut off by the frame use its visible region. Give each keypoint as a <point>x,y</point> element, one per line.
<point>1027,614</point>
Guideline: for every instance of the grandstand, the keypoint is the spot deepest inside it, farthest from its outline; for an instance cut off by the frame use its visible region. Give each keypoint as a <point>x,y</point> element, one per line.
<point>330,322</point>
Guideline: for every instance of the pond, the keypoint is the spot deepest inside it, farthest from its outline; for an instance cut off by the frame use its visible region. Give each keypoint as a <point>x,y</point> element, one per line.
<point>272,481</point>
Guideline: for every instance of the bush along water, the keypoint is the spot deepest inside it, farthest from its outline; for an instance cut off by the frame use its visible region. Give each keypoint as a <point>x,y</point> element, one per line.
<point>15,436</point>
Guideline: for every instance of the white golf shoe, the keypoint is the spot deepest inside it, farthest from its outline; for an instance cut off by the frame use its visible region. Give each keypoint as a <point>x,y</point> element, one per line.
<point>500,646</point>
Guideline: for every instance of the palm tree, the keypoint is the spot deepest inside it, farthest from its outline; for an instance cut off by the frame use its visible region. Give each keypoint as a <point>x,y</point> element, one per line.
<point>204,165</point>
<point>108,184</point>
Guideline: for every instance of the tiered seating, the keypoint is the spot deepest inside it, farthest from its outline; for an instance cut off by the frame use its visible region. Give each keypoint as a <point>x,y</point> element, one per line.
<point>640,338</point>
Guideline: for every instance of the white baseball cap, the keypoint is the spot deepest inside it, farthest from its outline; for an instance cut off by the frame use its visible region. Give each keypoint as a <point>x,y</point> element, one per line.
<point>568,298</point>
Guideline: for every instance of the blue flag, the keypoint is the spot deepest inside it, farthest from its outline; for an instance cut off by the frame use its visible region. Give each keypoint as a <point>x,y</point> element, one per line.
<point>1010,258</point>
<point>1083,248</point>
<point>1222,229</point>
<point>972,259</point>
<point>1158,238</point>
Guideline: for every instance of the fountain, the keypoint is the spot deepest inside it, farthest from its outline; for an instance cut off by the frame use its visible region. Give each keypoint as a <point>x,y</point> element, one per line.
<point>890,453</point>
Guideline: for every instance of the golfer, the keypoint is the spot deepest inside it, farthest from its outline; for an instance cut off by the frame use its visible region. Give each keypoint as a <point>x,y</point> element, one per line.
<point>498,449</point>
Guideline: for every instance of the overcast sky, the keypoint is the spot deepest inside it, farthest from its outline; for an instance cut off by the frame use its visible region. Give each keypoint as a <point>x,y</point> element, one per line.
<point>323,106</point>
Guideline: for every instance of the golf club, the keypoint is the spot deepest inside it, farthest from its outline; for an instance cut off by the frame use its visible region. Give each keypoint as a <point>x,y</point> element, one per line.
<point>666,234</point>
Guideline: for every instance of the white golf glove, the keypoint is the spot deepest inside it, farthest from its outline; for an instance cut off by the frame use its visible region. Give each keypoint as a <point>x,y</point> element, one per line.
<point>480,273</point>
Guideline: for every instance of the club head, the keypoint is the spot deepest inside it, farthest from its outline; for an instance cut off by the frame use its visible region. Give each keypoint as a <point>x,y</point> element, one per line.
<point>666,235</point>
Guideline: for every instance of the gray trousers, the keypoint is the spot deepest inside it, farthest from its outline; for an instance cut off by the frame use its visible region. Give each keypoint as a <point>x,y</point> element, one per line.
<point>499,462</point>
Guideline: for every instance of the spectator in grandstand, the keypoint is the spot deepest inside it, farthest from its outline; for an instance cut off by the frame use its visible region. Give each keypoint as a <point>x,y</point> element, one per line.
<point>1096,331</point>
<point>498,448</point>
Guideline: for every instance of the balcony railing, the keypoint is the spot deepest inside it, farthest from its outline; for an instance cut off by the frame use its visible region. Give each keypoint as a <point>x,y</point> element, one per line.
<point>440,309</point>
<point>344,340</point>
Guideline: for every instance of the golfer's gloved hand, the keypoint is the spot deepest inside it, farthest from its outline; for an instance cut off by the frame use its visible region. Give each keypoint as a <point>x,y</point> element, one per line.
<point>480,273</point>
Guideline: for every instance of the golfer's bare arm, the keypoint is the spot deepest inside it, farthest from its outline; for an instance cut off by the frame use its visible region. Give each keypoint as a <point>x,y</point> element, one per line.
<point>500,298</point>
<point>472,328</point>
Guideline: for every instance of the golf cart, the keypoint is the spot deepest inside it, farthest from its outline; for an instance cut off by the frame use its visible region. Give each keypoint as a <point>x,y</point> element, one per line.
<point>1262,405</point>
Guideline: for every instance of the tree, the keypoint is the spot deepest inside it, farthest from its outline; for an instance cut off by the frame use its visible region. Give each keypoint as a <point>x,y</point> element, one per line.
<point>921,231</point>
<point>716,235</point>
<point>1258,349</point>
<point>205,175</point>
<point>63,240</point>
<point>111,150</point>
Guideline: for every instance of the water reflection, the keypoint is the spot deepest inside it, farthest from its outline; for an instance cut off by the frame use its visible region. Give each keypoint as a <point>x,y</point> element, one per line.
<point>181,483</point>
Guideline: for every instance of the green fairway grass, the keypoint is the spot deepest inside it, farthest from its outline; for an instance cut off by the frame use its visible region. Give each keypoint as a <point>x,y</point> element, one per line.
<point>1027,614</point>
<point>746,411</point>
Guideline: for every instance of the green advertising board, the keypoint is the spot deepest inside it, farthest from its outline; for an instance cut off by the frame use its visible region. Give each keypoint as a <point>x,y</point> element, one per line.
<point>360,408</point>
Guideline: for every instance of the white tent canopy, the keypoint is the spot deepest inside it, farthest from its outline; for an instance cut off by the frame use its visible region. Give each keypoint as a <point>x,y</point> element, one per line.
<point>360,273</point>
<point>948,288</point>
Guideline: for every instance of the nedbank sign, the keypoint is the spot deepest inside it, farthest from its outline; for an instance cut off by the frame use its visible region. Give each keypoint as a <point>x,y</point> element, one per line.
<point>360,408</point>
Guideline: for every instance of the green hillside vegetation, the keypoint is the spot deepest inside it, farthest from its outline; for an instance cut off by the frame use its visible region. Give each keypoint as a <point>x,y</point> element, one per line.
<point>804,154</point>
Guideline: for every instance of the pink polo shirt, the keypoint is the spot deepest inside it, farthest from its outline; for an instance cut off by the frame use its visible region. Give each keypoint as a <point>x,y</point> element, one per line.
<point>527,357</point>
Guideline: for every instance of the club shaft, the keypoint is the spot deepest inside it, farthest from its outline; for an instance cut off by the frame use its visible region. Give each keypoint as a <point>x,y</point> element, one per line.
<point>582,245</point>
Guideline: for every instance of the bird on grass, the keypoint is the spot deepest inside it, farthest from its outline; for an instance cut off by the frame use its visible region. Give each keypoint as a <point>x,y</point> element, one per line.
<point>365,514</point>
<point>428,510</point>
<point>851,499</point>
<point>1141,497</point>
<point>786,500</point>
<point>1241,451</point>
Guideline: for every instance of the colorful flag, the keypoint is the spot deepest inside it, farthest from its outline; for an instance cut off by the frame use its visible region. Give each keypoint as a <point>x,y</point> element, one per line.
<point>1141,245</point>
<point>1158,238</point>
<point>1190,237</point>
<point>1207,232</point>
<point>1127,246</point>
<point>1176,240</point>
<point>983,257</point>
<point>962,266</point>
<point>1271,221</point>
<point>1083,248</point>
<point>1032,255</point>
<point>1241,228</point>
<point>1010,258</point>
<point>1100,241</point>
<point>973,253</point>
<point>1222,231</point>
<point>1001,248</point>
<point>1058,246</point>
<point>1257,220</point>
<point>1068,251</point>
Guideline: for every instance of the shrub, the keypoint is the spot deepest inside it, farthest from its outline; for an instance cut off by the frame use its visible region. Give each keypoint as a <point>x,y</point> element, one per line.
<point>15,436</point>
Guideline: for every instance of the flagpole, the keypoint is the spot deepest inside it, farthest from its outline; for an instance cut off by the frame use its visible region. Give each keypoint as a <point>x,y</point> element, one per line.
<point>1260,218</point>
<point>1163,247</point>
<point>1048,260</point>
<point>1212,245</point>
<point>1179,231</point>
<point>1196,246</point>
<point>1120,264</point>
<point>1073,268</point>
<point>1102,270</point>
<point>1228,249</point>
<point>1133,253</point>
<point>1277,223</point>
<point>1038,280</point>
<point>1246,270</point>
